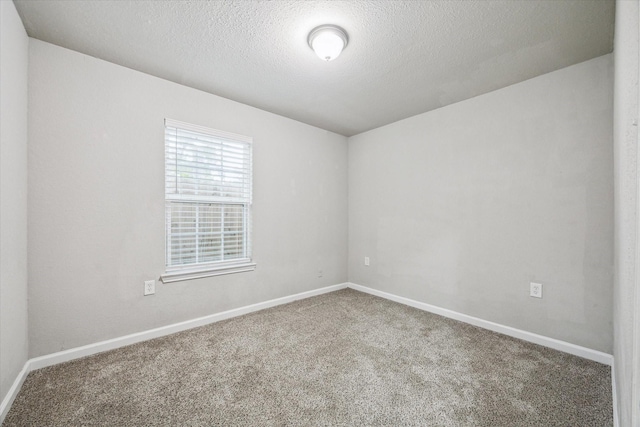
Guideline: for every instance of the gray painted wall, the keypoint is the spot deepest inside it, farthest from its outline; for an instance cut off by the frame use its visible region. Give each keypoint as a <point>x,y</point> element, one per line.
<point>96,202</point>
<point>14,48</point>
<point>625,306</point>
<point>463,206</point>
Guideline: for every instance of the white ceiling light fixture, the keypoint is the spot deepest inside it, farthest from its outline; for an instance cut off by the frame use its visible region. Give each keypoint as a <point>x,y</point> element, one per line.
<point>327,41</point>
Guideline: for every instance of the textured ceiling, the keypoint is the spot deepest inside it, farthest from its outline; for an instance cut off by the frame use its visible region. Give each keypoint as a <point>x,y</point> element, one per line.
<point>403,57</point>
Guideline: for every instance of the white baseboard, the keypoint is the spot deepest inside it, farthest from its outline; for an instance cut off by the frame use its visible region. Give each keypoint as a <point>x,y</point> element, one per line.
<point>566,347</point>
<point>13,391</point>
<point>99,347</point>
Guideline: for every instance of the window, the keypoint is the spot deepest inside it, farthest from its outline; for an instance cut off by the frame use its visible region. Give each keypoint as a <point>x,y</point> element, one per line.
<point>208,176</point>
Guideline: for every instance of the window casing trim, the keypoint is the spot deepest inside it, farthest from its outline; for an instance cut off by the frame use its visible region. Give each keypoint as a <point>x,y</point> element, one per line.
<point>201,270</point>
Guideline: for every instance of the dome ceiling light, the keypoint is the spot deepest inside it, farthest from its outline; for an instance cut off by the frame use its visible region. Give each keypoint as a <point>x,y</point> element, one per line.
<point>327,41</point>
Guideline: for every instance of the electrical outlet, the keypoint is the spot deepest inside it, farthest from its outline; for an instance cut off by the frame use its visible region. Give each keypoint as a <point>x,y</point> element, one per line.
<point>366,261</point>
<point>320,273</point>
<point>149,287</point>
<point>535,290</point>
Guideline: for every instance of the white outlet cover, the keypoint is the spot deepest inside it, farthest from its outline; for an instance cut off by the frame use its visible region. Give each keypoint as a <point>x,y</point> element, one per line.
<point>535,290</point>
<point>366,260</point>
<point>149,287</point>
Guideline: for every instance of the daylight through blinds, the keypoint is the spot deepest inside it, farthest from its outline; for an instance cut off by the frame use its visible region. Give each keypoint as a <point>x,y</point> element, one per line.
<point>208,195</point>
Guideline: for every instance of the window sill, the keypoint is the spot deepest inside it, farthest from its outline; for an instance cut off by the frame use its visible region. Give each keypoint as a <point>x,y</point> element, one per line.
<point>201,272</point>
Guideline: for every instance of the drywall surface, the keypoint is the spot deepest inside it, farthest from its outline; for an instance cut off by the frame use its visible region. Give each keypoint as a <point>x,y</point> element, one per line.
<point>625,305</point>
<point>464,206</point>
<point>14,55</point>
<point>96,201</point>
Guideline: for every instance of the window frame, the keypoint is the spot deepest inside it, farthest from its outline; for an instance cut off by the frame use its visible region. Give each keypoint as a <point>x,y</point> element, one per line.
<point>175,273</point>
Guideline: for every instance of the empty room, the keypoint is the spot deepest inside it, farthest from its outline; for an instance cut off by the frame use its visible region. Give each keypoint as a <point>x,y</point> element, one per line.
<point>367,212</point>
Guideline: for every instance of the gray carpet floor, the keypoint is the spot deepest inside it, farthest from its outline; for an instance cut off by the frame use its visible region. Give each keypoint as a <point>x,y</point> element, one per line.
<point>345,358</point>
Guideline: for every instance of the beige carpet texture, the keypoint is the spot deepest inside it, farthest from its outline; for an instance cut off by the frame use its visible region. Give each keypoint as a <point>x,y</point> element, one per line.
<point>344,358</point>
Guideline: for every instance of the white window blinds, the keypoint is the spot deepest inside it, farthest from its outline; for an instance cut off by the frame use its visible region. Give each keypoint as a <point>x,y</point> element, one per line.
<point>208,181</point>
